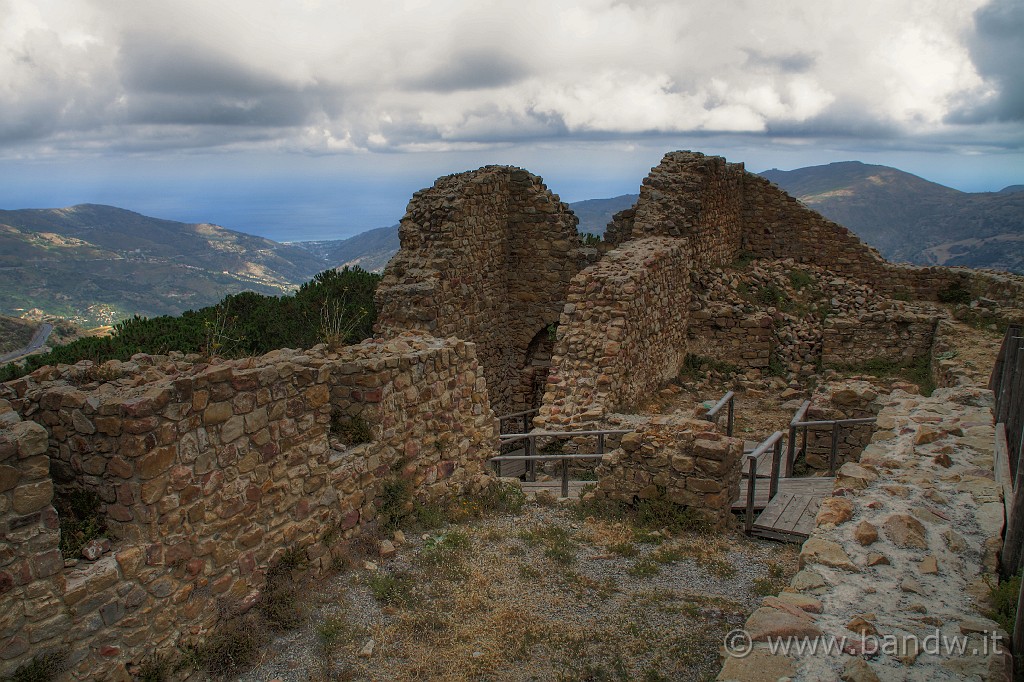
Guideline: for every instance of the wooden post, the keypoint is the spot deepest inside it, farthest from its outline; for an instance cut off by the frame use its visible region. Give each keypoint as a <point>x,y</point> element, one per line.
<point>1018,626</point>
<point>834,451</point>
<point>531,464</point>
<point>600,443</point>
<point>776,463</point>
<point>732,413</point>
<point>752,483</point>
<point>1014,525</point>
<point>790,451</point>
<point>565,477</point>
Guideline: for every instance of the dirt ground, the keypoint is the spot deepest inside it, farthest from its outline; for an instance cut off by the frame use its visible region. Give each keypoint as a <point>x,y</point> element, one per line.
<point>539,595</point>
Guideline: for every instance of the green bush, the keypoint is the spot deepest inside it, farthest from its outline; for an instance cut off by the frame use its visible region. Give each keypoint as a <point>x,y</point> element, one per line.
<point>800,279</point>
<point>335,307</point>
<point>1003,597</point>
<point>80,521</point>
<point>351,430</point>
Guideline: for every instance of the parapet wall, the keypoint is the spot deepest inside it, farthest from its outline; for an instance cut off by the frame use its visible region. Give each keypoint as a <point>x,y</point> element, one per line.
<point>208,475</point>
<point>622,332</point>
<point>487,256</point>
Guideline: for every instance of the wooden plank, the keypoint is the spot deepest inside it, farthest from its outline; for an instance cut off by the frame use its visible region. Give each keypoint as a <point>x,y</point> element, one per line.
<point>1002,468</point>
<point>775,509</point>
<point>760,496</point>
<point>789,519</point>
<point>805,525</point>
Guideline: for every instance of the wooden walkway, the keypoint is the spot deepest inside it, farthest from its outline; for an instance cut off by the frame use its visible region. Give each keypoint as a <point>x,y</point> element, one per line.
<point>789,516</point>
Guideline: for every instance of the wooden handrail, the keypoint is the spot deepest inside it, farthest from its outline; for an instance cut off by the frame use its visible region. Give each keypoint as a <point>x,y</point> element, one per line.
<point>772,441</point>
<point>840,422</point>
<point>512,415</point>
<point>712,414</point>
<point>561,434</point>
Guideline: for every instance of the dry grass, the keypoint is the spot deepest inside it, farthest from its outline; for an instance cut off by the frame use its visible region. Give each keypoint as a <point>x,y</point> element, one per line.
<point>541,595</point>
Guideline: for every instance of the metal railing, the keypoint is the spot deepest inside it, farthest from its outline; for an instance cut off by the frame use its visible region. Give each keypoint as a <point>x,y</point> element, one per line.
<point>712,415</point>
<point>531,457</point>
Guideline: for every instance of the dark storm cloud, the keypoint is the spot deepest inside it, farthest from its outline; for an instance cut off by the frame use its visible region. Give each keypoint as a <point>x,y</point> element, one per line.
<point>997,49</point>
<point>473,70</point>
<point>180,67</point>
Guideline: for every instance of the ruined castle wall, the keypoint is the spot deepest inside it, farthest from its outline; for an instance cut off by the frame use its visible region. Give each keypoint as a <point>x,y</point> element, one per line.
<point>622,332</point>
<point>894,335</point>
<point>840,400</point>
<point>693,196</point>
<point>724,333</point>
<point>487,256</point>
<point>210,473</point>
<point>682,460</point>
<point>777,225</point>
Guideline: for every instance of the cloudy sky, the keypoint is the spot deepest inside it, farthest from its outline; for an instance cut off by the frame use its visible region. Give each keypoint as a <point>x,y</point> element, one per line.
<point>312,118</point>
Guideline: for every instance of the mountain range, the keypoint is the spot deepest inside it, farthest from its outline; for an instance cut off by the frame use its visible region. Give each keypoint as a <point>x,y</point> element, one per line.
<point>908,218</point>
<point>96,264</point>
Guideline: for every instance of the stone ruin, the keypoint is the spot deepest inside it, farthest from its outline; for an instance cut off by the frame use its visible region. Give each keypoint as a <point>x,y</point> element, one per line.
<point>209,471</point>
<point>627,317</point>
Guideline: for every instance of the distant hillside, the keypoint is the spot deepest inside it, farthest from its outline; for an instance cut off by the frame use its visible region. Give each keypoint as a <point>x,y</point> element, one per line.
<point>595,214</point>
<point>14,333</point>
<point>96,264</point>
<point>911,219</point>
<point>370,250</point>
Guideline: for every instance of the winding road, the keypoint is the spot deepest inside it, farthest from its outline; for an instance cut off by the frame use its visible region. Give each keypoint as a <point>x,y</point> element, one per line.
<point>38,339</point>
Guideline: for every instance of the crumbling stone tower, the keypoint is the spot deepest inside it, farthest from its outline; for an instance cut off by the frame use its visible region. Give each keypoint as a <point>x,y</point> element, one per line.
<point>486,256</point>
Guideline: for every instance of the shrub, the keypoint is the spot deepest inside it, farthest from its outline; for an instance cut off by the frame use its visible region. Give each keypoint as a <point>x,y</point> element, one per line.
<point>1003,597</point>
<point>800,279</point>
<point>351,430</point>
<point>395,495</point>
<point>392,589</point>
<point>80,521</point>
<point>42,668</point>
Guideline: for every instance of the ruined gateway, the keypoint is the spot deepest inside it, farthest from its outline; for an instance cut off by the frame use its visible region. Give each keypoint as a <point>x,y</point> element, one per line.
<point>209,469</point>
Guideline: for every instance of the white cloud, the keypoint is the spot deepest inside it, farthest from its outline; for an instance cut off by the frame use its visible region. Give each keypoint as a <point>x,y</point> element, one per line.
<point>412,74</point>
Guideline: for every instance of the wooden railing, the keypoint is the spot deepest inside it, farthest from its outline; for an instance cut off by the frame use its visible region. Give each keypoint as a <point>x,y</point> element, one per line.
<point>1007,384</point>
<point>712,415</point>
<point>531,457</point>
<point>798,424</point>
<point>520,416</point>
<point>773,441</point>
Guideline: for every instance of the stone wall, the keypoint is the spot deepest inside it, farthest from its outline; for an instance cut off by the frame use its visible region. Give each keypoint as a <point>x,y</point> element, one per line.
<point>682,460</point>
<point>487,256</point>
<point>776,225</point>
<point>903,557</point>
<point>896,335</point>
<point>724,333</point>
<point>840,400</point>
<point>622,332</point>
<point>210,473</point>
<point>693,196</point>
<point>31,566</point>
